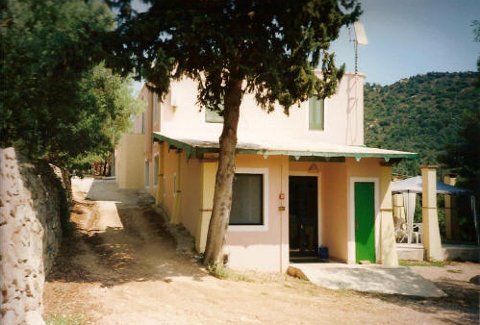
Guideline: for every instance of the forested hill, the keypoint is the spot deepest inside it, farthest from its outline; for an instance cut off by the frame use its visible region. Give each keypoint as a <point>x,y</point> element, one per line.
<point>420,114</point>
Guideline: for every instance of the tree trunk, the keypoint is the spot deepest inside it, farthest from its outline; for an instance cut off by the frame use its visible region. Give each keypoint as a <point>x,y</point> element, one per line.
<point>222,199</point>
<point>67,183</point>
<point>107,165</point>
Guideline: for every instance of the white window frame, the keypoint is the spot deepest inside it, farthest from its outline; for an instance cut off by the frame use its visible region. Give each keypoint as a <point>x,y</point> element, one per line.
<point>351,253</point>
<point>319,200</point>
<point>264,227</point>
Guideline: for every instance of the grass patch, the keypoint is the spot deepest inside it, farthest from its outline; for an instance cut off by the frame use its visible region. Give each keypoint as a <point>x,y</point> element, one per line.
<point>423,263</point>
<point>61,319</point>
<point>224,273</point>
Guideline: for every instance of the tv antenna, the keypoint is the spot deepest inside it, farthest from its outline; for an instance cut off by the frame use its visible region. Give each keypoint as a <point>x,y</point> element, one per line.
<point>360,39</point>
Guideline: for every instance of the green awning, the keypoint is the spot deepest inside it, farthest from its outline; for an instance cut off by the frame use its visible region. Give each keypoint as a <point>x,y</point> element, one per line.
<point>296,148</point>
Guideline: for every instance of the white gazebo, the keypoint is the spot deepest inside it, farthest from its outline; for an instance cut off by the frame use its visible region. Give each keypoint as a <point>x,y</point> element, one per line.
<point>426,234</point>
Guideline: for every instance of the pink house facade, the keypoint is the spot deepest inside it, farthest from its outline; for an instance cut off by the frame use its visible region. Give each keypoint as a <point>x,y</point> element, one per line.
<point>302,181</point>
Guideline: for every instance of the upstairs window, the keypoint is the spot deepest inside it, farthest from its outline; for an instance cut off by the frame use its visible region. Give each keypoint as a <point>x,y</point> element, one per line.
<point>212,116</point>
<point>316,114</point>
<point>156,109</point>
<point>247,202</point>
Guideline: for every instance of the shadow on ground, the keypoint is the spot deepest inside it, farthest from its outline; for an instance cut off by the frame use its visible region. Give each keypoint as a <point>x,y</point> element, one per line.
<point>461,297</point>
<point>140,250</point>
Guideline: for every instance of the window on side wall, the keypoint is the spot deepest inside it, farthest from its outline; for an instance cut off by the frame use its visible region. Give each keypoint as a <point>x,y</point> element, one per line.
<point>155,171</point>
<point>212,116</point>
<point>247,203</point>
<point>147,174</point>
<point>316,114</point>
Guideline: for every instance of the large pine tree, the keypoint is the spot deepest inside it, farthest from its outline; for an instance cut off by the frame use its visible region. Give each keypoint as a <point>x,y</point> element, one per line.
<point>230,47</point>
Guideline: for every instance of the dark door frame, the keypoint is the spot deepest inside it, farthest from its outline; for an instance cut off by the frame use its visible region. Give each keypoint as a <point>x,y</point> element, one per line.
<point>319,204</point>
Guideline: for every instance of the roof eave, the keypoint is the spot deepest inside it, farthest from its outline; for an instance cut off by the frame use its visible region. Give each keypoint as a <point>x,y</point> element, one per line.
<point>198,150</point>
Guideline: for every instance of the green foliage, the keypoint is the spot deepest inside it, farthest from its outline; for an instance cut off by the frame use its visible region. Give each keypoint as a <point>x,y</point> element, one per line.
<point>272,45</point>
<point>224,273</point>
<point>107,106</point>
<point>61,319</point>
<point>420,114</point>
<point>424,263</point>
<point>462,156</point>
<point>219,271</point>
<point>58,101</point>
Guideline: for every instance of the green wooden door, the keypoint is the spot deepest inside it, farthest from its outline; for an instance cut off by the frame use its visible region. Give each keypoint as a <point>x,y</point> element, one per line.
<point>365,221</point>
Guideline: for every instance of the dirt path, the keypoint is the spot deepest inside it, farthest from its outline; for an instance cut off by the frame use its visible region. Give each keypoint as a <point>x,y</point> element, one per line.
<point>120,267</point>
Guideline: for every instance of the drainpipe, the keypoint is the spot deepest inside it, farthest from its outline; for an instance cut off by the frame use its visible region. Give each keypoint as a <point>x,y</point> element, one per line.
<point>431,230</point>
<point>451,216</point>
<point>160,183</point>
<point>177,193</point>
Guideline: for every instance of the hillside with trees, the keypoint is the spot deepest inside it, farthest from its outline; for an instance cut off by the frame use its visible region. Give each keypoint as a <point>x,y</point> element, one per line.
<point>422,114</point>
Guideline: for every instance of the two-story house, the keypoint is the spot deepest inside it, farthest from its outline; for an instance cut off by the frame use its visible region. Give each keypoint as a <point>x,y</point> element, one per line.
<point>302,181</point>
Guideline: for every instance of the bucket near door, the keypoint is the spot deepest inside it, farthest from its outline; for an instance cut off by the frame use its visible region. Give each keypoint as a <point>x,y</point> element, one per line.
<point>323,253</point>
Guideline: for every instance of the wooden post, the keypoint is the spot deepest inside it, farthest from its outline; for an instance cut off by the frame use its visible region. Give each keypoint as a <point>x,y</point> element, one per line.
<point>160,195</point>
<point>451,212</point>
<point>177,193</point>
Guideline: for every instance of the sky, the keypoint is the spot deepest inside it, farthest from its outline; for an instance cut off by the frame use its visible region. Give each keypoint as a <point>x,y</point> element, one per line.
<point>410,37</point>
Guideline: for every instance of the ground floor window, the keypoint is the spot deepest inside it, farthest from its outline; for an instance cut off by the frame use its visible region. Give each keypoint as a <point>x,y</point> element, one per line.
<point>247,204</point>
<point>155,170</point>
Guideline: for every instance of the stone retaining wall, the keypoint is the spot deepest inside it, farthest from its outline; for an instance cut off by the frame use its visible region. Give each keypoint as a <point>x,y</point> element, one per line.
<point>31,205</point>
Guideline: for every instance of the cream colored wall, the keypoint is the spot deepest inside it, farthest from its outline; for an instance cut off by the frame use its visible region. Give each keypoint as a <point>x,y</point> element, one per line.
<point>191,193</point>
<point>335,209</point>
<point>129,162</point>
<point>171,170</point>
<point>366,167</point>
<point>343,116</point>
<point>148,126</point>
<point>208,173</point>
<point>263,250</point>
<point>137,121</point>
<point>137,124</point>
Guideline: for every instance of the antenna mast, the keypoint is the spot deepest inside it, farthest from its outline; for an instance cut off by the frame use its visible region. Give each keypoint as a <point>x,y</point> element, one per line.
<point>360,39</point>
